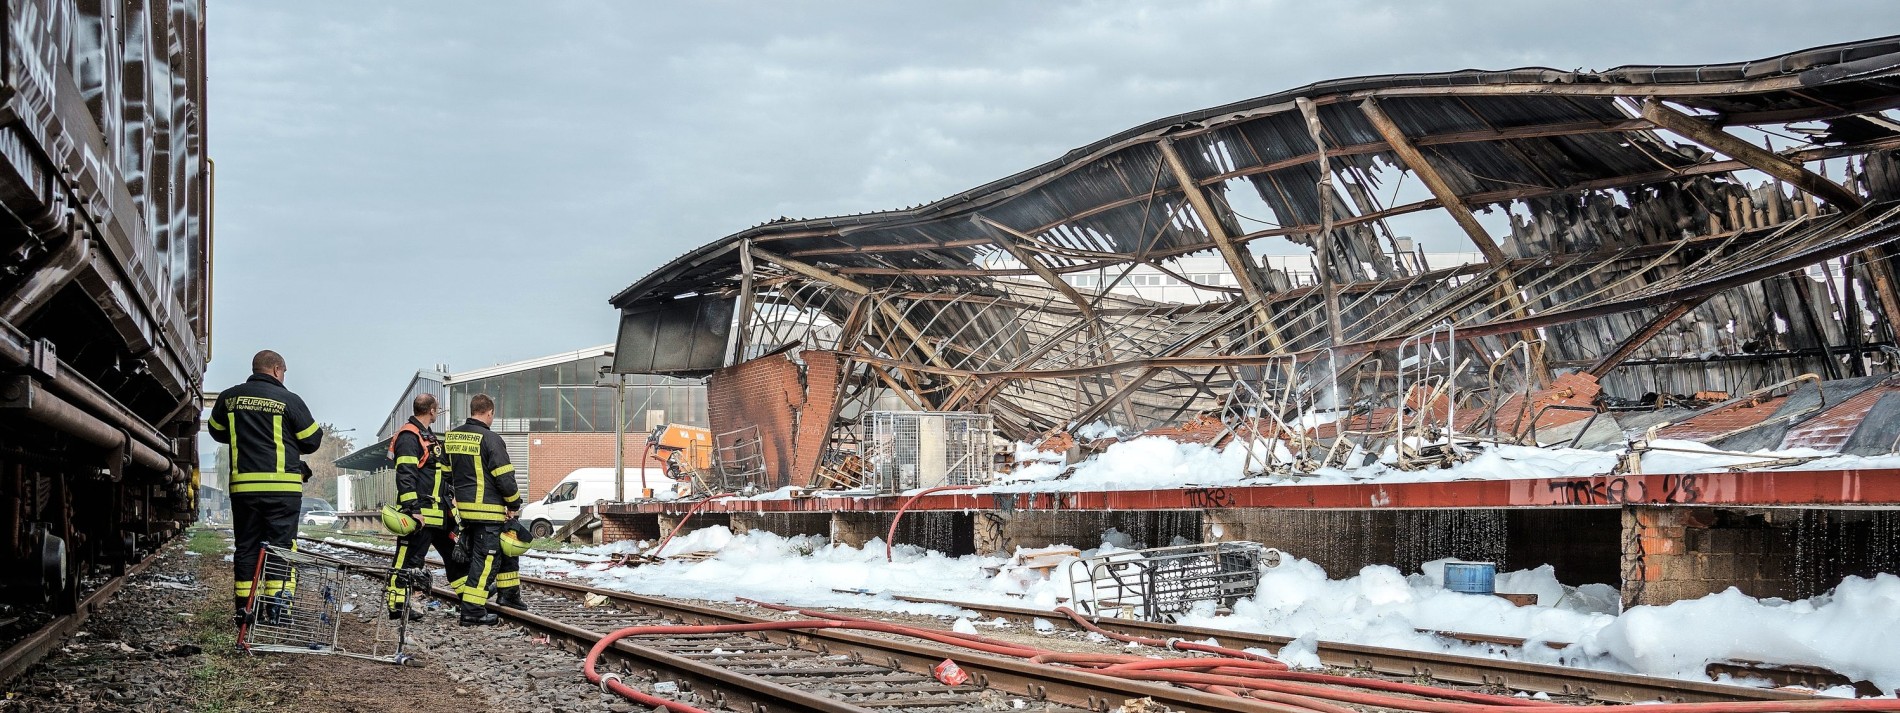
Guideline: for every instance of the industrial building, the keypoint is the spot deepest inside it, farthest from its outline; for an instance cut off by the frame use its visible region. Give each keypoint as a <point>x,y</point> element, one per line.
<point>1664,256</point>
<point>556,414</point>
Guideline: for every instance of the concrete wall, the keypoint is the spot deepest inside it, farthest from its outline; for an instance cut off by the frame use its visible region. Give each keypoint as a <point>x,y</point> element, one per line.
<point>1580,544</point>
<point>1004,532</point>
<point>787,524</point>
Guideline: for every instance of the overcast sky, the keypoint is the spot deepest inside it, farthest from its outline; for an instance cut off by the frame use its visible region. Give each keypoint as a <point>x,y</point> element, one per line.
<point>406,184</point>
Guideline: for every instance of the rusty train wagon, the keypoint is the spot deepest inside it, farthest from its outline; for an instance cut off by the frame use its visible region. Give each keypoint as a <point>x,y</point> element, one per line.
<point>105,269</point>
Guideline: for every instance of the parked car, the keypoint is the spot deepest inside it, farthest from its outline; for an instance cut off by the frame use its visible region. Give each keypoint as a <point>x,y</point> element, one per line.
<point>585,486</point>
<point>320,518</point>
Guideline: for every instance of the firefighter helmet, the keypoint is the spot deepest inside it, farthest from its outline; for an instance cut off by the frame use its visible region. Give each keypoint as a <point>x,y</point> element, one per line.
<point>515,538</point>
<point>399,522</point>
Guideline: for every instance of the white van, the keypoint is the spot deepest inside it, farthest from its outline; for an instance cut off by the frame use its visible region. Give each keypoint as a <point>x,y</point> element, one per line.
<point>585,486</point>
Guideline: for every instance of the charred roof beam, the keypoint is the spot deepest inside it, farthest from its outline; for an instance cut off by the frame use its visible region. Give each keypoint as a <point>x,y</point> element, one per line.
<point>1238,262</point>
<point>1761,159</point>
<point>1461,213</point>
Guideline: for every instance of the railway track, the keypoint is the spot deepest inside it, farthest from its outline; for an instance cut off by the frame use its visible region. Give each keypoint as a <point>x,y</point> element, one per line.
<point>1602,686</point>
<point>818,670</point>
<point>29,649</point>
<point>837,671</point>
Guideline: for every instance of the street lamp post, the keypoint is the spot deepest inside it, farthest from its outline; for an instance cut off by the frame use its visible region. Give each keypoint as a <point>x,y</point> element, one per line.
<point>620,442</point>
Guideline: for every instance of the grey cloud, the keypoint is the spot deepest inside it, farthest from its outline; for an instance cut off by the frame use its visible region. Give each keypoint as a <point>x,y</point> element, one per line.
<point>401,184</point>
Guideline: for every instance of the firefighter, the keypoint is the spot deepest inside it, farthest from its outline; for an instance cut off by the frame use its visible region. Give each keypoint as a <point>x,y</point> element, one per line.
<point>486,499</point>
<point>269,430</point>
<point>423,493</point>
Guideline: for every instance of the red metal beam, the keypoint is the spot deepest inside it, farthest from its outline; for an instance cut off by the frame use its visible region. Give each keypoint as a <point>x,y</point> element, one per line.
<point>1818,488</point>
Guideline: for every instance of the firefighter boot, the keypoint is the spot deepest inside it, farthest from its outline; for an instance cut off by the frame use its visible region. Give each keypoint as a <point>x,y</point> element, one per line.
<point>414,614</point>
<point>242,613</point>
<point>511,597</point>
<point>476,615</point>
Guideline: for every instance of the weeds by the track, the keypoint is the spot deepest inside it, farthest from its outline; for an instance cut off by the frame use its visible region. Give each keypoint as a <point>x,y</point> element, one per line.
<point>225,680</point>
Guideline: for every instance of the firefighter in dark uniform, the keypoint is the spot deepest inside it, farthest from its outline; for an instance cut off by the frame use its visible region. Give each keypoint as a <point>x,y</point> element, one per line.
<point>486,499</point>
<point>423,492</point>
<point>269,430</point>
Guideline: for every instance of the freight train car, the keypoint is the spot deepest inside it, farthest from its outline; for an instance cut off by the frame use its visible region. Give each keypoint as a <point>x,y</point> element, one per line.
<point>105,268</point>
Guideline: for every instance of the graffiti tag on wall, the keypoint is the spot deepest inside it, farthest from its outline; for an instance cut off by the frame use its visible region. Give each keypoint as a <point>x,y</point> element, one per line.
<point>1618,490</point>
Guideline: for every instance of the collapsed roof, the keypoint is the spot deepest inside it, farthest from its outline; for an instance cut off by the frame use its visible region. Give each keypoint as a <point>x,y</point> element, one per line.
<point>1670,230</point>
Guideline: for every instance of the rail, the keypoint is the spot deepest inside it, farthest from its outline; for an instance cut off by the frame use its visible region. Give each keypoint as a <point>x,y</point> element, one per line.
<point>1444,669</point>
<point>1604,686</point>
<point>1054,688</point>
<point>29,650</point>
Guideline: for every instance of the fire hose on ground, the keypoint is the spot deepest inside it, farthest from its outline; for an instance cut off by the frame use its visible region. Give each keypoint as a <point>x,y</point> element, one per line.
<point>1228,672</point>
<point>682,523</point>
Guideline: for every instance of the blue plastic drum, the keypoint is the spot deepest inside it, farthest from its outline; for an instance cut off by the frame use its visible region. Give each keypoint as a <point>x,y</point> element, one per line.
<point>1471,577</point>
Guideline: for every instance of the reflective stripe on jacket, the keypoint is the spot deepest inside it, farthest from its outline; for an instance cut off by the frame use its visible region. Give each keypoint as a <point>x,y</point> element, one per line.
<point>269,430</point>
<point>484,479</point>
<point>421,472</point>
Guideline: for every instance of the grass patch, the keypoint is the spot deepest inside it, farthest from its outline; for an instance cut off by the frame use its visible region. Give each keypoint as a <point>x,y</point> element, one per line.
<point>207,542</point>
<point>550,544</point>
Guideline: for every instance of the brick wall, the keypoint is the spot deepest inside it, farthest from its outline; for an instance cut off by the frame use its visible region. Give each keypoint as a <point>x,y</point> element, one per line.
<point>792,405</point>
<point>1672,553</point>
<point>551,456</point>
<point>617,527</point>
<point>823,371</point>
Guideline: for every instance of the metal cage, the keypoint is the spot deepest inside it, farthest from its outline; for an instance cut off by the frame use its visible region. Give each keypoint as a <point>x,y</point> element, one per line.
<point>738,460</point>
<point>924,449</point>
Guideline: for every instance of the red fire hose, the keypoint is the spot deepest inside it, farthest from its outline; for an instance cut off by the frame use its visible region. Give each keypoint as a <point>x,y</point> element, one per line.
<point>1175,644</point>
<point>1256,677</point>
<point>682,523</point>
<point>890,538</point>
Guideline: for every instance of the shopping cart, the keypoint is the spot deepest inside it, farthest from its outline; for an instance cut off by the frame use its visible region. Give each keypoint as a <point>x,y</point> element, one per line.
<point>1163,583</point>
<point>308,603</point>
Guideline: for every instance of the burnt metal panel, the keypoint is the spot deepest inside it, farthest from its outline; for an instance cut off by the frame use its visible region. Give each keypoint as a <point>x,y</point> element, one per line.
<point>679,337</point>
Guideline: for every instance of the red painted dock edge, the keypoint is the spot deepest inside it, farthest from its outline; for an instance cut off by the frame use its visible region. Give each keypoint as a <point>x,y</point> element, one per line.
<point>1815,488</point>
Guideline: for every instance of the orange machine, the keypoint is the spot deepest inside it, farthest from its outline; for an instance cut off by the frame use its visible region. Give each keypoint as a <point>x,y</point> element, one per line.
<point>685,450</point>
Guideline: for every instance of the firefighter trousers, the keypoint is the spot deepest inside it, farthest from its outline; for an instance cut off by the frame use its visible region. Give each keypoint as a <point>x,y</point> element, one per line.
<point>412,552</point>
<point>488,569</point>
<point>257,520</point>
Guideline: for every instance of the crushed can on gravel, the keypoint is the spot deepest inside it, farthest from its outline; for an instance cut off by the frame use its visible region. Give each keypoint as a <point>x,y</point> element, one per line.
<point>307,603</point>
<point>950,673</point>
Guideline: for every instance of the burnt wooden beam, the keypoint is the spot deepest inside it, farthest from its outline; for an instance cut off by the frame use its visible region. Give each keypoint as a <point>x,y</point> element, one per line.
<point>1886,288</point>
<point>1323,240</point>
<point>1851,241</point>
<point>1755,157</point>
<point>1005,238</point>
<point>1642,336</point>
<point>1461,213</point>
<point>857,288</point>
<point>742,312</point>
<point>1119,398</point>
<point>1238,262</point>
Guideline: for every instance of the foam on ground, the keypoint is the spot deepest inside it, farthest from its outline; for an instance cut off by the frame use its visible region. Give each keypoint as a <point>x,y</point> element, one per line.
<point>1851,630</point>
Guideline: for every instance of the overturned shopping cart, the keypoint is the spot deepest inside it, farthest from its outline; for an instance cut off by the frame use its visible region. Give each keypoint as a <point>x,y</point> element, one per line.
<point>1163,583</point>
<point>308,603</point>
